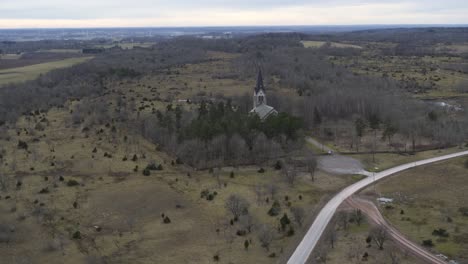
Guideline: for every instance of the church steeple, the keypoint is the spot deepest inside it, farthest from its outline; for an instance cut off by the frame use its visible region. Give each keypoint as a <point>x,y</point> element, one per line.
<point>259,85</point>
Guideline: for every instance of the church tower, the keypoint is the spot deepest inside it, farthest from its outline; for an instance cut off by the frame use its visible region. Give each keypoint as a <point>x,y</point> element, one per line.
<point>260,106</point>
<point>259,92</point>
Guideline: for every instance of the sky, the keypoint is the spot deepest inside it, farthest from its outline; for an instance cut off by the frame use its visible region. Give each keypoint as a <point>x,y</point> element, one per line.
<point>184,13</point>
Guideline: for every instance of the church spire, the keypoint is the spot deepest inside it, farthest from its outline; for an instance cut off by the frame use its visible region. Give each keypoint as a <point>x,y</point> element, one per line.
<point>259,85</point>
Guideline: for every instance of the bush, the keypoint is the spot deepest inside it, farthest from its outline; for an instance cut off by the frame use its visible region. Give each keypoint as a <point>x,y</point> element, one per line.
<point>275,209</point>
<point>428,243</point>
<point>167,220</point>
<point>72,183</point>
<point>44,190</point>
<point>76,235</point>
<point>284,221</point>
<point>261,170</point>
<point>146,172</point>
<point>440,232</point>
<point>463,211</point>
<point>22,145</point>
<point>278,165</point>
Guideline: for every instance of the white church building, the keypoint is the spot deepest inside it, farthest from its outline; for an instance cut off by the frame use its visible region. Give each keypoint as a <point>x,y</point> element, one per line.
<point>260,106</point>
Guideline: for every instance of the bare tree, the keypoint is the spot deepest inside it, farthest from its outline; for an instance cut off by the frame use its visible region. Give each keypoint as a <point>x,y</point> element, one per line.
<point>343,219</point>
<point>247,222</point>
<point>272,190</point>
<point>290,174</point>
<point>379,236</point>
<point>311,167</point>
<point>298,214</point>
<point>358,216</point>
<point>237,205</point>
<point>266,236</point>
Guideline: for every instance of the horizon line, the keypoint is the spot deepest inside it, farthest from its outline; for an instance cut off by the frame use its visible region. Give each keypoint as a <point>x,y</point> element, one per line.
<point>244,26</point>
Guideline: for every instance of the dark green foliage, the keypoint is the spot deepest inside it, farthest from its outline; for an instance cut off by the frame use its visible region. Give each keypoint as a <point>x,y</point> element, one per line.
<point>284,221</point>
<point>167,220</point>
<point>231,175</point>
<point>261,170</point>
<point>440,232</point>
<point>22,145</point>
<point>246,244</point>
<point>72,183</point>
<point>134,158</point>
<point>216,257</point>
<point>76,235</point>
<point>221,119</point>
<point>290,231</point>
<point>146,172</point>
<point>94,150</point>
<point>428,243</point>
<point>278,165</point>
<point>44,190</point>
<point>275,209</point>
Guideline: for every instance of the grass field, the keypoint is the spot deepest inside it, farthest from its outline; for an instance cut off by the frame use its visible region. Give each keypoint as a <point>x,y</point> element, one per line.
<point>126,206</point>
<point>319,44</point>
<point>62,50</point>
<point>10,56</point>
<point>429,198</point>
<point>32,72</point>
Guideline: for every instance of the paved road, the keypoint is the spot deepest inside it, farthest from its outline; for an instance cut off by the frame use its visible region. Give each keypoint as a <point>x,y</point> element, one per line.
<point>375,216</point>
<point>303,251</point>
<point>337,164</point>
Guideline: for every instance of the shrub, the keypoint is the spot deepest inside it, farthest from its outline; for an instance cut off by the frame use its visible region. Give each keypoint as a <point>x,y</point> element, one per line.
<point>290,231</point>
<point>72,183</point>
<point>76,235</point>
<point>428,243</point>
<point>440,232</point>
<point>241,232</point>
<point>463,211</point>
<point>22,145</point>
<point>232,174</point>
<point>278,165</point>
<point>261,170</point>
<point>135,158</point>
<point>275,209</point>
<point>216,258</point>
<point>284,221</point>
<point>167,220</point>
<point>146,172</point>
<point>44,190</point>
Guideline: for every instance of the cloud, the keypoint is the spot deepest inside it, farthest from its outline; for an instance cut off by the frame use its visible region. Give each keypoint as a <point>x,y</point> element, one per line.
<point>117,13</point>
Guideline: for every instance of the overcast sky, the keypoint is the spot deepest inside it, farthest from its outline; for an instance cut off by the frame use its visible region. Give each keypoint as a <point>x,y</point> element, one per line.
<point>160,13</point>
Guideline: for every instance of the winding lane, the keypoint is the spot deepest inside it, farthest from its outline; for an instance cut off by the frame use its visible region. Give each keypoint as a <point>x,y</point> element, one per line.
<point>308,243</point>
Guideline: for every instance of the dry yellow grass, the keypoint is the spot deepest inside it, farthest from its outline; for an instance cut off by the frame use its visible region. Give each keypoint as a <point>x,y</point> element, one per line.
<point>31,72</point>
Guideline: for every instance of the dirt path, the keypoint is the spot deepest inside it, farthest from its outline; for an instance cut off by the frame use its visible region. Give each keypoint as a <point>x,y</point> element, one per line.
<point>376,217</point>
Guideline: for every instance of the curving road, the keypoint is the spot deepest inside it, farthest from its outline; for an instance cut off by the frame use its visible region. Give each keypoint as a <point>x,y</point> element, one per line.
<point>308,243</point>
<point>374,215</point>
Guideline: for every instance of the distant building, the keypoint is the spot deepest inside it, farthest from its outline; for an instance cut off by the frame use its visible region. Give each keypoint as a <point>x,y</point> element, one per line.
<point>260,106</point>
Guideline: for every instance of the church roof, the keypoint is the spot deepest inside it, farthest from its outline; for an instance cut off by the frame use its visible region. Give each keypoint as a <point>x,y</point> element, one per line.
<point>259,85</point>
<point>264,111</point>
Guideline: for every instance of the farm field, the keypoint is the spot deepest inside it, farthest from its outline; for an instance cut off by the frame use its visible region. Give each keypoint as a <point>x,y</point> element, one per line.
<point>13,75</point>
